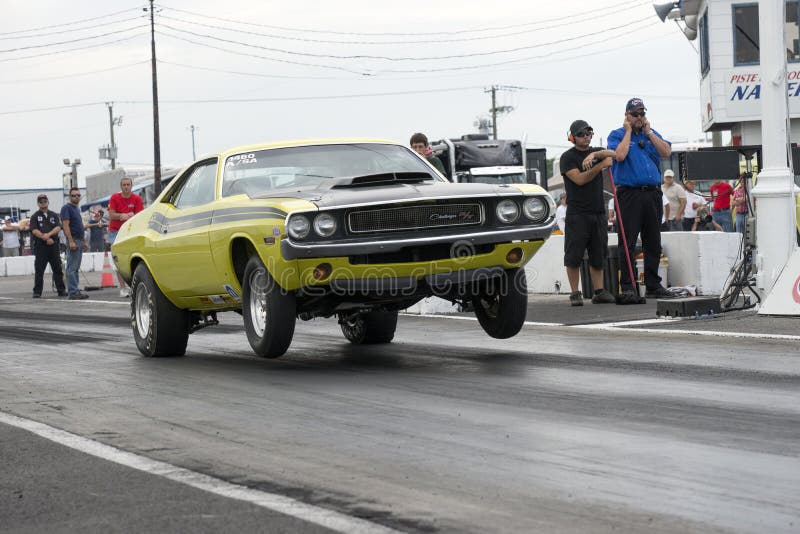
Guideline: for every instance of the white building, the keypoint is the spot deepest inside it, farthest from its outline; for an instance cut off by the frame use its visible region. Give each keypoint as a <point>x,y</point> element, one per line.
<point>726,33</point>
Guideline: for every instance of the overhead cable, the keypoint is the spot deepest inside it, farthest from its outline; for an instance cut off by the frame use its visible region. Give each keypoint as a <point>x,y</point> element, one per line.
<point>454,32</point>
<point>73,74</point>
<point>47,34</point>
<point>74,40</point>
<point>97,45</point>
<point>73,22</point>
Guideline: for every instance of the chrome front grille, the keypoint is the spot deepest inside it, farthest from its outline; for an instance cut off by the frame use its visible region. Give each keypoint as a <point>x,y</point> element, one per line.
<point>414,217</point>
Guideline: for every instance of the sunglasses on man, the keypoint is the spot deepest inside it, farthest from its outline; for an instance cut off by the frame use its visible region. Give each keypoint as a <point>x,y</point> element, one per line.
<point>584,133</point>
<point>74,194</point>
<point>637,114</point>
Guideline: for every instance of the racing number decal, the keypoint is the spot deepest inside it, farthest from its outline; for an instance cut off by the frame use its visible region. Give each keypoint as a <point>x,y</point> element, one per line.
<point>241,159</point>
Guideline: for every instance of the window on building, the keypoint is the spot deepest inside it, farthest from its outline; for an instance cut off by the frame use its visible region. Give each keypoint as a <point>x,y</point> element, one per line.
<point>745,33</point>
<point>704,53</point>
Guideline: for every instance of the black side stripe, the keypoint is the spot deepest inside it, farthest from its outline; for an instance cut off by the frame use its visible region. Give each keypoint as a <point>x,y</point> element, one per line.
<point>162,224</point>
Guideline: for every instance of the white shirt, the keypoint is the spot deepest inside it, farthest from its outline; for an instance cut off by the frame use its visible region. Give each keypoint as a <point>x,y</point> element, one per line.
<point>692,198</point>
<point>665,202</point>
<point>561,217</point>
<point>10,238</point>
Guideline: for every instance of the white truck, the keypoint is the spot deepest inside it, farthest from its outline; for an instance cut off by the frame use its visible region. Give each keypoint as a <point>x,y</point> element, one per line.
<point>478,159</point>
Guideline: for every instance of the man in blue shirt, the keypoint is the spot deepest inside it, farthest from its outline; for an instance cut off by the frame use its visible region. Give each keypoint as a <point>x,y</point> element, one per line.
<point>72,224</point>
<point>637,176</point>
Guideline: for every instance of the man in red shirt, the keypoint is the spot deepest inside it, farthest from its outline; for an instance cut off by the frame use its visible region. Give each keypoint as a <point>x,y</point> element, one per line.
<point>121,207</point>
<point>721,194</point>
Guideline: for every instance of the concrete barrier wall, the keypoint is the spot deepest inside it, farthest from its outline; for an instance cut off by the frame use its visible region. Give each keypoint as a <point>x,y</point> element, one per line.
<point>701,259</point>
<point>24,265</point>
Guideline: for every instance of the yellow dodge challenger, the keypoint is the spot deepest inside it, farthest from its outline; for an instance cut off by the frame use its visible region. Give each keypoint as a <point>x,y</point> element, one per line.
<point>355,229</point>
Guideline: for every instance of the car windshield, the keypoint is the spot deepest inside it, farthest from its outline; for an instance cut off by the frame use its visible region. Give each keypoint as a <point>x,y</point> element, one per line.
<point>310,166</point>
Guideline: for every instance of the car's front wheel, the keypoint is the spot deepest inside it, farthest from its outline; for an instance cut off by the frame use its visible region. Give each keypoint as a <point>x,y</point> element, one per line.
<point>502,305</point>
<point>269,311</point>
<point>159,327</point>
<point>369,327</point>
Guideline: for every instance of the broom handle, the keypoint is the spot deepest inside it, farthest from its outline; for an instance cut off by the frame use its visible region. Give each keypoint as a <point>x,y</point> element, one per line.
<point>634,283</point>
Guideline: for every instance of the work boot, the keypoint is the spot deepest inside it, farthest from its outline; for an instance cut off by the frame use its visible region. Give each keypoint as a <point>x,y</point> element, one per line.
<point>602,296</point>
<point>576,298</point>
<point>658,293</point>
<point>78,296</point>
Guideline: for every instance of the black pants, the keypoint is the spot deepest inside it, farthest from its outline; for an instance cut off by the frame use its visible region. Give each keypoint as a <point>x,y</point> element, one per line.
<point>640,211</point>
<point>44,255</point>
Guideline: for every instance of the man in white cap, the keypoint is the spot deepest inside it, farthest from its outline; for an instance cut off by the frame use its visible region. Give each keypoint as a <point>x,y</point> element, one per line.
<point>10,237</point>
<point>676,197</point>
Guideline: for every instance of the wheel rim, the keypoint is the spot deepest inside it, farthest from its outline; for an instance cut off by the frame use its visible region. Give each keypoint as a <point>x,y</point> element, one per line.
<point>354,326</point>
<point>258,301</point>
<point>143,311</point>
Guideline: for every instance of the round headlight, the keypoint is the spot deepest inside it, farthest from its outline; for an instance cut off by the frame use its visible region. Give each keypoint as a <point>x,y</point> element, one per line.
<point>325,224</point>
<point>507,211</point>
<point>535,209</point>
<point>298,227</point>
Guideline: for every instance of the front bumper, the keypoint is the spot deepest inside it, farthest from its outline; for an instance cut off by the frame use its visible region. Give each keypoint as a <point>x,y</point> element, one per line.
<point>293,250</point>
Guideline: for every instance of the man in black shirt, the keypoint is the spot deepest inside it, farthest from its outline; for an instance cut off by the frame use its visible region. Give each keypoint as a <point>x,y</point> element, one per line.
<point>587,223</point>
<point>45,226</point>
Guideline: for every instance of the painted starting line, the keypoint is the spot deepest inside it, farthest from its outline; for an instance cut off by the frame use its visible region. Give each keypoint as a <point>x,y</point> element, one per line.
<point>330,519</point>
<point>620,326</point>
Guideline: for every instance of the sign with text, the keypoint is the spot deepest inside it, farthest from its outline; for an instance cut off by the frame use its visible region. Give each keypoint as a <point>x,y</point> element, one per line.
<point>743,93</point>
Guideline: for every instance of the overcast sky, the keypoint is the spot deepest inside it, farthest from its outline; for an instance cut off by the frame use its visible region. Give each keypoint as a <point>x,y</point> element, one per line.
<point>247,71</point>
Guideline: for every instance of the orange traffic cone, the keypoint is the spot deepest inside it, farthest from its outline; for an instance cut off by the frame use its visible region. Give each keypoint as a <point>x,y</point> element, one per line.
<point>107,280</point>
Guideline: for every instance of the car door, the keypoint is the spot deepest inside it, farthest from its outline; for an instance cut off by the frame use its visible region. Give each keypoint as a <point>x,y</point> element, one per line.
<point>183,262</point>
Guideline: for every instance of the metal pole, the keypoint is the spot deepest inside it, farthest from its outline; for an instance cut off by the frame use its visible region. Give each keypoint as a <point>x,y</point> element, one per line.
<point>156,137</point>
<point>774,191</point>
<point>494,112</point>
<point>194,157</point>
<point>111,127</point>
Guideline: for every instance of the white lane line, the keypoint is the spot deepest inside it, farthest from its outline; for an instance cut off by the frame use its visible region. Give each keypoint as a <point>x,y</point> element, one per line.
<point>306,512</point>
<point>601,326</point>
<point>692,332</point>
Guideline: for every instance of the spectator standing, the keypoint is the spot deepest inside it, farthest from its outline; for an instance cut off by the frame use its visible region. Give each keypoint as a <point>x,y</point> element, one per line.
<point>739,205</point>
<point>97,240</point>
<point>612,216</point>
<point>122,206</point>
<point>45,226</point>
<point>586,229</point>
<point>676,197</point>
<point>693,203</point>
<point>638,149</point>
<point>561,212</point>
<point>721,192</point>
<point>704,222</point>
<point>419,144</point>
<point>72,225</point>
<point>10,237</point>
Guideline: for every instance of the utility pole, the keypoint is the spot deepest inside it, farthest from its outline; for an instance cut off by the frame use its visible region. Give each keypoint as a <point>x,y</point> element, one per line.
<point>112,121</point>
<point>71,177</point>
<point>156,136</point>
<point>194,156</point>
<point>495,109</point>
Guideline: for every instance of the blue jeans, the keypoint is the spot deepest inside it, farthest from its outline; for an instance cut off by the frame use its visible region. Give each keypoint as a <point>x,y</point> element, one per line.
<point>723,218</point>
<point>74,258</point>
<point>740,222</point>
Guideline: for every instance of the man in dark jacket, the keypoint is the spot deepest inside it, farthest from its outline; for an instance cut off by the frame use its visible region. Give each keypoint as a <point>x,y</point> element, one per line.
<point>45,226</point>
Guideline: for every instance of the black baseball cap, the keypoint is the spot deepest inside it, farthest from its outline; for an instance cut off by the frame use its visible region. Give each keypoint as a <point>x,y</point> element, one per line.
<point>41,196</point>
<point>578,126</point>
<point>634,103</point>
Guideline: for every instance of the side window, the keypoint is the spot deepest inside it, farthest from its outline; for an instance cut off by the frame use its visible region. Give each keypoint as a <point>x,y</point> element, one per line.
<point>704,52</point>
<point>198,188</point>
<point>745,34</point>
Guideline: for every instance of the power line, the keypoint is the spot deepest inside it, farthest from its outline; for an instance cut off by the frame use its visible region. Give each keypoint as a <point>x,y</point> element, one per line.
<point>572,21</point>
<point>98,45</point>
<point>454,32</point>
<point>412,58</point>
<point>30,47</point>
<point>47,34</point>
<point>72,23</point>
<point>254,74</point>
